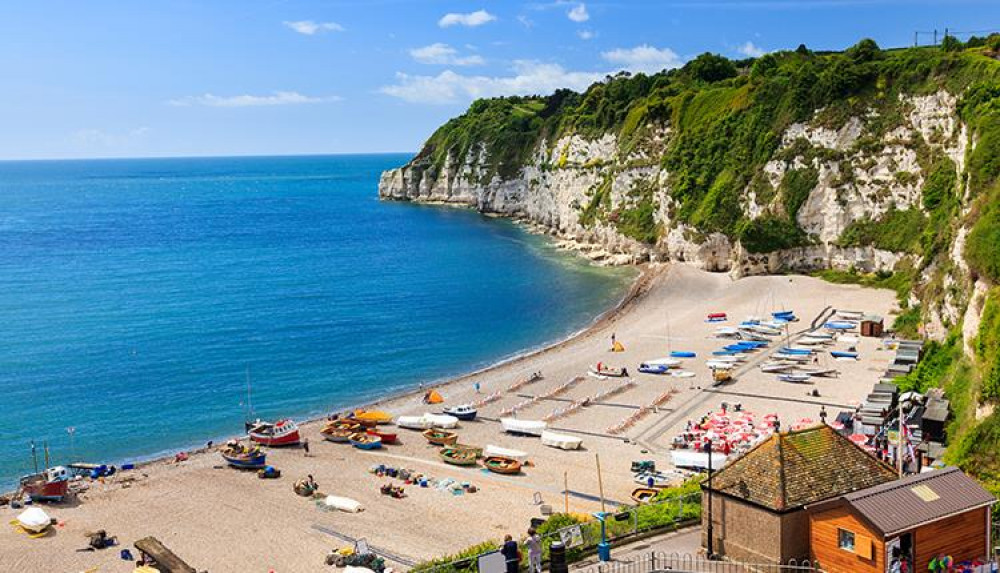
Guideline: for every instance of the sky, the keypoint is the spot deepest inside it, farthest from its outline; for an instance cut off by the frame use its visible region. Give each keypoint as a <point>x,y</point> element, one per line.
<point>268,77</point>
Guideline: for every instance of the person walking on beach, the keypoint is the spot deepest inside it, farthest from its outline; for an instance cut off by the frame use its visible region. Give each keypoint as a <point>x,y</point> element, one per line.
<point>305,446</point>
<point>511,554</point>
<point>477,387</point>
<point>534,543</point>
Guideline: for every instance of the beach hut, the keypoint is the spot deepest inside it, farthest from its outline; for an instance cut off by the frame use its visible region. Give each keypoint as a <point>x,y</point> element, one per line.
<point>911,520</point>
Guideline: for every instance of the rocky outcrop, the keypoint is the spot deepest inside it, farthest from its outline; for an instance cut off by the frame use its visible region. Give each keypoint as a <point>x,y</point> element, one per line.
<point>859,176</point>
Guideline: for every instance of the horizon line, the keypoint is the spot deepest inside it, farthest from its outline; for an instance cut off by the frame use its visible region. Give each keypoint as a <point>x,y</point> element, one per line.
<point>234,156</point>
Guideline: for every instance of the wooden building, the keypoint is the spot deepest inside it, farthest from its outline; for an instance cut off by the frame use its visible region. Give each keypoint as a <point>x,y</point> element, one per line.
<point>915,519</point>
<point>758,500</point>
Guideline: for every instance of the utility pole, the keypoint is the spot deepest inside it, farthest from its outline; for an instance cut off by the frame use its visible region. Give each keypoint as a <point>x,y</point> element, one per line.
<point>711,543</point>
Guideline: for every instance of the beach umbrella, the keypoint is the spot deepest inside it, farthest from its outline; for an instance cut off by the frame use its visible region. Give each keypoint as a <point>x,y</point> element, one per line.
<point>859,439</point>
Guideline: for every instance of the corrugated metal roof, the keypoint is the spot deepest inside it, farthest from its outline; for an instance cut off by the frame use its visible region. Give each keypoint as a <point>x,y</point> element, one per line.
<point>906,503</point>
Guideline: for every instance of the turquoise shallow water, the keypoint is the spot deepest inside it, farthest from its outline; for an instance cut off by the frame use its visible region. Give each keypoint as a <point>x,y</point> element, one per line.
<point>134,294</point>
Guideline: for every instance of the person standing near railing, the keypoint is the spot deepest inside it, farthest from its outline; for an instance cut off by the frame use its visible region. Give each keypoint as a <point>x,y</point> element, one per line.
<point>511,554</point>
<point>534,543</point>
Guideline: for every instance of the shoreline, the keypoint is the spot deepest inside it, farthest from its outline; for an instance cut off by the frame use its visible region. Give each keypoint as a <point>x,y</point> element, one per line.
<point>639,286</point>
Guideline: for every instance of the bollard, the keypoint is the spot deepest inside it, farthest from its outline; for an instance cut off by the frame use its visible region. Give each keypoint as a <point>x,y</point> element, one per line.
<point>557,558</point>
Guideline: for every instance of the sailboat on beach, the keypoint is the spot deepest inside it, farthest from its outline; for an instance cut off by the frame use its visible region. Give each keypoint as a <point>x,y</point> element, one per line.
<point>280,433</point>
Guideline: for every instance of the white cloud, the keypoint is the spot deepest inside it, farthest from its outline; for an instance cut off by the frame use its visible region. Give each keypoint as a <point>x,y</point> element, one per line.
<point>749,49</point>
<point>586,34</point>
<point>530,77</point>
<point>472,19</point>
<point>309,28</point>
<point>443,54</point>
<point>578,13</point>
<point>247,100</point>
<point>645,58</point>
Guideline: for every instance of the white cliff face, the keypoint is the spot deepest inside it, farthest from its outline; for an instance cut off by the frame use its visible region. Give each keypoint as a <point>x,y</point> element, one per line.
<point>859,176</point>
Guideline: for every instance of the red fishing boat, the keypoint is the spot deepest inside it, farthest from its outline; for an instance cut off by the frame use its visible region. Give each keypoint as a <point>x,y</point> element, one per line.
<point>387,437</point>
<point>49,485</point>
<point>280,433</point>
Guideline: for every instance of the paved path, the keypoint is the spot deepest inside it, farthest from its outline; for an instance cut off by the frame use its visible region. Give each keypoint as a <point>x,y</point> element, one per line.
<point>683,541</point>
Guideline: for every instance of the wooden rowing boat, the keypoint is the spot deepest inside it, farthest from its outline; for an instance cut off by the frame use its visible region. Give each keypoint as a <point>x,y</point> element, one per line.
<point>458,456</point>
<point>644,494</point>
<point>364,441</point>
<point>502,465</point>
<point>338,435</point>
<point>387,437</point>
<point>440,437</point>
<point>377,416</point>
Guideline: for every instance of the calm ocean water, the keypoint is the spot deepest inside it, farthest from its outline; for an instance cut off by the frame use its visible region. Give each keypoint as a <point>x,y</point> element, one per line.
<point>134,294</point>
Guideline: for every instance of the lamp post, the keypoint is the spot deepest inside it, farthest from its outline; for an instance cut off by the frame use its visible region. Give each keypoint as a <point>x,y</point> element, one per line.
<point>711,543</point>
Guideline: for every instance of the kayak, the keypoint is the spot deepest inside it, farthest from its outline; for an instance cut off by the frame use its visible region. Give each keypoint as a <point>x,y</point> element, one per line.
<point>682,354</point>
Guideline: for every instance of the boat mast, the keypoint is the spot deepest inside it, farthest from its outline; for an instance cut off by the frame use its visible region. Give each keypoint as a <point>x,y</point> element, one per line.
<point>45,445</point>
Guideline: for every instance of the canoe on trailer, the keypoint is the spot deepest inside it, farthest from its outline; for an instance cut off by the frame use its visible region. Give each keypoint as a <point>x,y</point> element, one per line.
<point>440,437</point>
<point>459,456</point>
<point>501,465</point>
<point>644,494</point>
<point>561,441</point>
<point>523,427</point>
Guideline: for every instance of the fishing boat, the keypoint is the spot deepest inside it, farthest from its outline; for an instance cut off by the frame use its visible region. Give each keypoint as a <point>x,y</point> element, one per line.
<point>844,354</point>
<point>458,456</point>
<point>501,465</point>
<point>377,416</point>
<point>463,412</point>
<point>653,368</point>
<point>644,494</point>
<point>242,457</point>
<point>49,485</point>
<point>33,520</point>
<point>414,422</point>
<point>440,437</point>
<point>365,441</point>
<point>821,372</point>
<point>496,451</point>
<point>280,433</point>
<point>771,367</point>
<point>386,437</point>
<point>794,377</point>
<point>338,434</point>
<point>605,370</point>
<point>522,427</point>
<point>682,354</point>
<point>561,441</point>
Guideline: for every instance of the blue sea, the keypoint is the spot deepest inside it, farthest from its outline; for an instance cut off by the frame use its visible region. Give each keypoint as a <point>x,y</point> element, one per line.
<point>136,294</point>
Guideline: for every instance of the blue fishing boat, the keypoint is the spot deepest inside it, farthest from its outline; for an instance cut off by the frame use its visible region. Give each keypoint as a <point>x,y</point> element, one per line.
<point>463,412</point>
<point>788,350</point>
<point>364,441</point>
<point>244,458</point>
<point>682,354</point>
<point>843,354</point>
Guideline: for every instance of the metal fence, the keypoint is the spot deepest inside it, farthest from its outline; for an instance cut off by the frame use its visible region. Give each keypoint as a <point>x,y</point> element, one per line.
<point>620,526</point>
<point>657,561</point>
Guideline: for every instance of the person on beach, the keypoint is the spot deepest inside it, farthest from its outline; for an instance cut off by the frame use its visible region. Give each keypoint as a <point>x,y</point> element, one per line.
<point>511,554</point>
<point>305,446</point>
<point>477,387</point>
<point>613,339</point>
<point>534,543</point>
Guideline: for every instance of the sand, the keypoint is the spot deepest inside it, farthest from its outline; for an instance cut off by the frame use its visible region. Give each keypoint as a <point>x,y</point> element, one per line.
<point>222,519</point>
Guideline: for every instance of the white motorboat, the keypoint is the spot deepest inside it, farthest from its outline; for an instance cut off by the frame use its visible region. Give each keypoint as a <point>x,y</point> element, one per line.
<point>523,427</point>
<point>561,441</point>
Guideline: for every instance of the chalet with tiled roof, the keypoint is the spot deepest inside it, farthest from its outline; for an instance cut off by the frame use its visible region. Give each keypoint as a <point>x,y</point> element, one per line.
<point>758,500</point>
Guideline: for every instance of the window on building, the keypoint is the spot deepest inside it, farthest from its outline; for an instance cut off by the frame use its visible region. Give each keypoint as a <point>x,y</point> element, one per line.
<point>845,539</point>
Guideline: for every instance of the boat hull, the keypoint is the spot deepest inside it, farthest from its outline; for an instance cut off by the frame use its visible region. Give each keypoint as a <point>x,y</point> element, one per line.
<point>48,491</point>
<point>246,462</point>
<point>506,466</point>
<point>387,438</point>
<point>366,442</point>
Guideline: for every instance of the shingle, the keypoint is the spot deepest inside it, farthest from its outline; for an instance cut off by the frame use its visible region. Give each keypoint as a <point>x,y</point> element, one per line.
<point>921,498</point>
<point>790,470</point>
